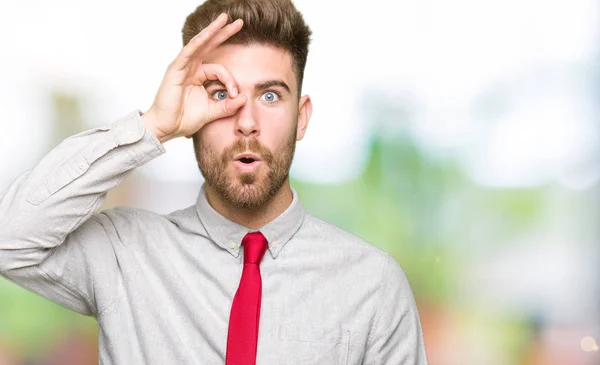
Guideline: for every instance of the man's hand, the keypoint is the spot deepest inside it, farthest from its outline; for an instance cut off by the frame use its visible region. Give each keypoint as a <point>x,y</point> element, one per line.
<point>182,106</point>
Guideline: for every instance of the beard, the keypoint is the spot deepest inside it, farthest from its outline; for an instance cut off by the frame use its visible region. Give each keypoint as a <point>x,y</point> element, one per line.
<point>248,191</point>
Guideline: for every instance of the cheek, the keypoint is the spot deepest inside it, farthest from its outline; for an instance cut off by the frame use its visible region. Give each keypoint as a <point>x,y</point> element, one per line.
<point>214,137</point>
<point>277,124</point>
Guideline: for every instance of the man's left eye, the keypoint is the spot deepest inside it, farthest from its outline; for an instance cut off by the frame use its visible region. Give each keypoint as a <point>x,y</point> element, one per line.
<point>270,96</point>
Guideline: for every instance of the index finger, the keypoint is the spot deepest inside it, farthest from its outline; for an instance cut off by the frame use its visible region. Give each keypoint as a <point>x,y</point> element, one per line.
<point>190,49</point>
<point>223,35</point>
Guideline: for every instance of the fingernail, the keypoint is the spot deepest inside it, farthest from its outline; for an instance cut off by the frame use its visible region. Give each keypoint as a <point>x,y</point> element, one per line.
<point>234,92</point>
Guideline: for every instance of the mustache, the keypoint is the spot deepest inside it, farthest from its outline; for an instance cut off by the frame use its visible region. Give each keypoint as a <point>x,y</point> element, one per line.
<point>247,145</point>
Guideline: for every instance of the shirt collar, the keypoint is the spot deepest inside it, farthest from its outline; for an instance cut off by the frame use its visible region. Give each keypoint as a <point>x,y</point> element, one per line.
<point>228,234</point>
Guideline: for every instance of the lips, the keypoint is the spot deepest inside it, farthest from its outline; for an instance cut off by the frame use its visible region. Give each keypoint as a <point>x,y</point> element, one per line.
<point>247,158</point>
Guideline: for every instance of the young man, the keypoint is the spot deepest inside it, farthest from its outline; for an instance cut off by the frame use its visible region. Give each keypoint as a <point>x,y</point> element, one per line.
<point>244,275</point>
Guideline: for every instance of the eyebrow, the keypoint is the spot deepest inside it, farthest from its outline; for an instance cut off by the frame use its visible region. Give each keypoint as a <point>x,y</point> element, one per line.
<point>257,87</point>
<point>271,83</point>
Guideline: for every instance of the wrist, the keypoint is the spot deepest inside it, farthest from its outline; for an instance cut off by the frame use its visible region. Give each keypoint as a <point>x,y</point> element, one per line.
<point>150,123</point>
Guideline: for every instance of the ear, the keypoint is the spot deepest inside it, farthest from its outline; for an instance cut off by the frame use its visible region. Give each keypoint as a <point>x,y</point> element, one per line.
<point>304,113</point>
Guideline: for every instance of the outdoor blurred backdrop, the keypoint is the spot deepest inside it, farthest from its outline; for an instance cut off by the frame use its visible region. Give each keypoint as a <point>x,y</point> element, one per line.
<point>462,136</point>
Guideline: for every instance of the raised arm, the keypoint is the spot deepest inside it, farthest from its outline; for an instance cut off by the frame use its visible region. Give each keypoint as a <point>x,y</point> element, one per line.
<point>52,240</point>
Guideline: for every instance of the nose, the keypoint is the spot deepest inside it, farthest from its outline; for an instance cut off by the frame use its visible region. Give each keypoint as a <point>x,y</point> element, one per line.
<point>246,123</point>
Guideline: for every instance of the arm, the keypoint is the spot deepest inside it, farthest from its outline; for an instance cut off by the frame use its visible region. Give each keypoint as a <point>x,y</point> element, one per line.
<point>48,244</point>
<point>396,336</point>
<point>50,241</point>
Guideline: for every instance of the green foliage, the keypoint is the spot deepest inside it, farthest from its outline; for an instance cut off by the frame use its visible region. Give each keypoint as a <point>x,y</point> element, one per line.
<point>29,321</point>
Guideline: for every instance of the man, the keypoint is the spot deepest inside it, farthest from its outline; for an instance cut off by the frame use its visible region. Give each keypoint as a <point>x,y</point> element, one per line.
<point>197,286</point>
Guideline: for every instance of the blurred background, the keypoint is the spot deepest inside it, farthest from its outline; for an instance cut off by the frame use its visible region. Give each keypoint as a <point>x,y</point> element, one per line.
<point>462,137</point>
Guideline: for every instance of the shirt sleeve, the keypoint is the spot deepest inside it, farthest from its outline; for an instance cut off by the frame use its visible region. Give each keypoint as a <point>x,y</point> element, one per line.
<point>52,241</point>
<point>396,336</point>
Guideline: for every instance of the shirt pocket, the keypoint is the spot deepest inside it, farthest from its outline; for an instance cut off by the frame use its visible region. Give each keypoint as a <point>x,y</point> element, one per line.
<point>306,344</point>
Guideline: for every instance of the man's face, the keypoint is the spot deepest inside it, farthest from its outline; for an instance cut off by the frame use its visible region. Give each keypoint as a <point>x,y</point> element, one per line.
<point>246,157</point>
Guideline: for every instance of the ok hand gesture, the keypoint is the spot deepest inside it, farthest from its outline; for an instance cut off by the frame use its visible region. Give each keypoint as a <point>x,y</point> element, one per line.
<point>182,106</point>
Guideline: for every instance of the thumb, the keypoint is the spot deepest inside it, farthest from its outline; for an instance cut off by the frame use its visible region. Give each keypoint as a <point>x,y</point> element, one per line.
<point>227,107</point>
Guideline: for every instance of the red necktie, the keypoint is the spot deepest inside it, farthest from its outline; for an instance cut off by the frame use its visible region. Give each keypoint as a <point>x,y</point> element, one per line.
<point>242,339</point>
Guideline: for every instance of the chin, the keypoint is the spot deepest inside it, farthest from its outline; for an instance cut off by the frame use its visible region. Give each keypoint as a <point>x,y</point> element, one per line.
<point>248,179</point>
<point>248,191</point>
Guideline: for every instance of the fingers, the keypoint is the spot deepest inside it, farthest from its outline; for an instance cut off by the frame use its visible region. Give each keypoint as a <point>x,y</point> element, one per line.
<point>223,34</point>
<point>227,107</point>
<point>209,38</point>
<point>224,108</point>
<point>217,72</point>
<point>190,49</point>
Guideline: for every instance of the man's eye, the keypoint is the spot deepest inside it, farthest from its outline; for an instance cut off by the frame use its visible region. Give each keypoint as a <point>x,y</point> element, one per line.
<point>220,95</point>
<point>270,96</point>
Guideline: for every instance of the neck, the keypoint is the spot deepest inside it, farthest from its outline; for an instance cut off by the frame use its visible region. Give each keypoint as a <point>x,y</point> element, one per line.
<point>256,218</point>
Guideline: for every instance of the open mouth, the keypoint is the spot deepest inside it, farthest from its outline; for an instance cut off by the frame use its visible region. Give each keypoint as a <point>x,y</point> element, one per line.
<point>246,160</point>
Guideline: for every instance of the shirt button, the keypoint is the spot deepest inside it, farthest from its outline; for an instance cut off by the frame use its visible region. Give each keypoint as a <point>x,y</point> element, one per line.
<point>274,244</point>
<point>231,244</point>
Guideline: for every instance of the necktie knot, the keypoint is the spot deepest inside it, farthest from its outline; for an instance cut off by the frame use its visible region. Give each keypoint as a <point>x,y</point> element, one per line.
<point>255,246</point>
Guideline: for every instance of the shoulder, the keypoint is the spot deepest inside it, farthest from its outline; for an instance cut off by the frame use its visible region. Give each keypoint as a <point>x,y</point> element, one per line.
<point>318,230</point>
<point>118,223</point>
<point>121,215</point>
<point>128,223</point>
<point>340,240</point>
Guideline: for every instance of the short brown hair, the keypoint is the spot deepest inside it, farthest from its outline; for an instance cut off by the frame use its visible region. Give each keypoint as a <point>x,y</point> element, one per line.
<point>271,22</point>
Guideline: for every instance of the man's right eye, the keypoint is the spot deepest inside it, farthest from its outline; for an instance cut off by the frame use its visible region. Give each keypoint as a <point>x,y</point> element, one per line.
<point>220,95</point>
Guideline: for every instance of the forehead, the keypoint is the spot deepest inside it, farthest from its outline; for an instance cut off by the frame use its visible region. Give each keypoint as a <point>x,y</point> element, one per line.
<point>250,64</point>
